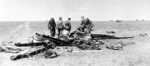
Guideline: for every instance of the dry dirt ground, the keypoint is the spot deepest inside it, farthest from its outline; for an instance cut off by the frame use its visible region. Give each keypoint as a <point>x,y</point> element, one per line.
<point>137,54</point>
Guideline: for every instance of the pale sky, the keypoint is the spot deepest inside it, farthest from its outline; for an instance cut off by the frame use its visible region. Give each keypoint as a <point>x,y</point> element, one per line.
<point>35,10</point>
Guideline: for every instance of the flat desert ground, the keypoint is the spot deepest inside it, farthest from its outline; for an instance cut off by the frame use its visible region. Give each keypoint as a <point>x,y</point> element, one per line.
<point>137,54</point>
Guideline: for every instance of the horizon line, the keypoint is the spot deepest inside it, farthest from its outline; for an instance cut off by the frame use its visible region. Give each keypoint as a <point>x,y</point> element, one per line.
<point>73,20</point>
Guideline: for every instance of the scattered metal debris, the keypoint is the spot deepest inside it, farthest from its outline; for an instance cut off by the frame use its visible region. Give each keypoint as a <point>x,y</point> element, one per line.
<point>81,40</point>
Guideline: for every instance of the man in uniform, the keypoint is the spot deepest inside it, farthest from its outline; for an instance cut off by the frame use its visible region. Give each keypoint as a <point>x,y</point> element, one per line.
<point>88,25</point>
<point>83,24</point>
<point>68,25</point>
<point>51,26</point>
<point>60,26</point>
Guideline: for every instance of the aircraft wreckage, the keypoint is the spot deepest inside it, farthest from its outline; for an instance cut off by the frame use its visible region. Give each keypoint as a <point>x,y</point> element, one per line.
<point>80,40</point>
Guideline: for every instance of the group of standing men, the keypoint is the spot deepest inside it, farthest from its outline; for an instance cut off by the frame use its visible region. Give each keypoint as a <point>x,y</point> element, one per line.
<point>85,26</point>
<point>60,26</point>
